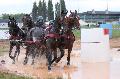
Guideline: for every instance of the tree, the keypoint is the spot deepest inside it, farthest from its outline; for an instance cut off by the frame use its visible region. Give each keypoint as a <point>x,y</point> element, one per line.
<point>57,9</point>
<point>44,10</point>
<point>34,11</point>
<point>50,10</point>
<point>63,6</point>
<point>18,17</point>
<point>40,8</point>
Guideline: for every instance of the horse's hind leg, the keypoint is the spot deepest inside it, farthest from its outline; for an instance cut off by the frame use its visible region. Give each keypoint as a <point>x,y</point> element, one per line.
<point>49,57</point>
<point>33,55</point>
<point>61,55</point>
<point>18,51</point>
<point>55,55</point>
<point>26,57</point>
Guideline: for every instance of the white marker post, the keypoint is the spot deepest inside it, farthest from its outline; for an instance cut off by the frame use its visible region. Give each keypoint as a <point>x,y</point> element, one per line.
<point>95,55</point>
<point>95,45</point>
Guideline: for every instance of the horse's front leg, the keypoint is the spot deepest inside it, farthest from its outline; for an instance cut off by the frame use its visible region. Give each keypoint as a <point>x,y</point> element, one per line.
<point>18,51</point>
<point>10,51</point>
<point>68,58</point>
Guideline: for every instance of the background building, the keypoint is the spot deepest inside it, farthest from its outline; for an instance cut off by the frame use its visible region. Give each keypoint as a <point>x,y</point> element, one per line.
<point>99,16</point>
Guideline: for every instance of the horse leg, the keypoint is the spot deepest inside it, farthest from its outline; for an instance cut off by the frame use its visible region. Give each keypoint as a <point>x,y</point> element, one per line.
<point>68,58</point>
<point>18,51</point>
<point>61,55</point>
<point>33,55</point>
<point>55,55</point>
<point>27,54</point>
<point>14,57</point>
<point>10,51</point>
<point>49,57</point>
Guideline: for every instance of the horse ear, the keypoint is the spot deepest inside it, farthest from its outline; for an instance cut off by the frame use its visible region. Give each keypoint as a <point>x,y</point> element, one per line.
<point>28,14</point>
<point>70,12</point>
<point>9,18</point>
<point>75,11</point>
<point>13,18</point>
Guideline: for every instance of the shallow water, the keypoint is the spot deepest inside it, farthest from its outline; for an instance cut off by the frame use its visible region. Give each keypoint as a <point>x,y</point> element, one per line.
<point>77,69</point>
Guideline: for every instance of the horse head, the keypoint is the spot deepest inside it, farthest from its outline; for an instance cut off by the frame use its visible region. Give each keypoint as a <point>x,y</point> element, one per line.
<point>27,20</point>
<point>12,22</point>
<point>73,20</point>
<point>27,23</point>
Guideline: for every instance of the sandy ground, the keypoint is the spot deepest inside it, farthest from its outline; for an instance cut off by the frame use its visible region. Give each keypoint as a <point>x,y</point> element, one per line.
<point>76,70</point>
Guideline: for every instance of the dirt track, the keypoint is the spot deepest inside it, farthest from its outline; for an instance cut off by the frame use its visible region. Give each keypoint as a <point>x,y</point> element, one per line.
<point>39,70</point>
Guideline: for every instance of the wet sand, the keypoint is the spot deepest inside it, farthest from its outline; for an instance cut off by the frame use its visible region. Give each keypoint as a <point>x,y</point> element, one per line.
<point>77,69</point>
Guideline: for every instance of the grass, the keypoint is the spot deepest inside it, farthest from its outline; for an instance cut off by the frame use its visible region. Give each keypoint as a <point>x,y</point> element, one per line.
<point>116,33</point>
<point>4,47</point>
<point>55,78</point>
<point>77,34</point>
<point>4,75</point>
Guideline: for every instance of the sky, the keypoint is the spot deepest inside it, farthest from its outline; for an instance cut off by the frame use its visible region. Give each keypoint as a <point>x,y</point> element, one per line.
<point>25,6</point>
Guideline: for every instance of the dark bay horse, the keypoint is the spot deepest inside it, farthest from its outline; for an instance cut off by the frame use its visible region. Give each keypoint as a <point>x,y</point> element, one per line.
<point>68,37</point>
<point>16,34</point>
<point>56,39</point>
<point>52,41</point>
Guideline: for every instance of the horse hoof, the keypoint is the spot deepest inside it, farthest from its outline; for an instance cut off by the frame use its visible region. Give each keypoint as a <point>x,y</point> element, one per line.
<point>32,63</point>
<point>13,62</point>
<point>57,60</point>
<point>24,63</point>
<point>118,50</point>
<point>3,61</point>
<point>68,63</point>
<point>49,68</point>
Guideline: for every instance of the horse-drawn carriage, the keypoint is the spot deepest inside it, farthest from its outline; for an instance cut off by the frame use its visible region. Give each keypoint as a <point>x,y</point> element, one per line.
<point>44,40</point>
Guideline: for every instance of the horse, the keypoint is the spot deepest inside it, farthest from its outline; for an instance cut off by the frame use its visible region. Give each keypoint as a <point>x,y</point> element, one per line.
<point>16,34</point>
<point>68,37</point>
<point>52,39</point>
<point>34,42</point>
<point>55,38</point>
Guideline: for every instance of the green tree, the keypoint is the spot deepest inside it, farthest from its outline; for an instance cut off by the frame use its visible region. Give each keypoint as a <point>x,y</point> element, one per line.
<point>63,6</point>
<point>44,10</point>
<point>18,17</point>
<point>34,11</point>
<point>57,9</point>
<point>40,8</point>
<point>50,10</point>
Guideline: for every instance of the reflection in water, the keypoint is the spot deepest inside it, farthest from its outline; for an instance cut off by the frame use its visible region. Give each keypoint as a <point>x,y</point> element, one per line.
<point>95,70</point>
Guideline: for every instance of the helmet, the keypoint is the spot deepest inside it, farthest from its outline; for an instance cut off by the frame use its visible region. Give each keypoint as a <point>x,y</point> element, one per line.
<point>40,20</point>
